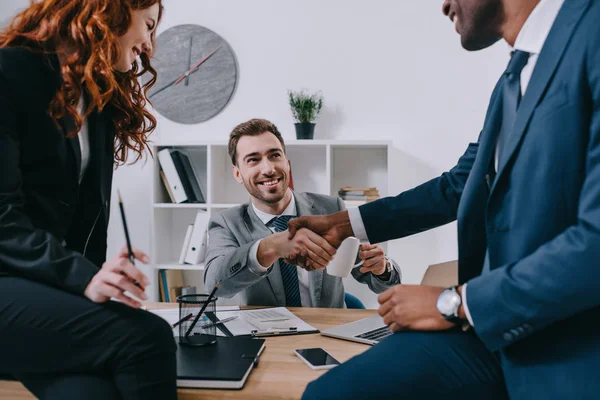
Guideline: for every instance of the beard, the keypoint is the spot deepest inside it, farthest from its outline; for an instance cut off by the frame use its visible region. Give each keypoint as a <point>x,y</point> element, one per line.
<point>267,195</point>
<point>482,24</point>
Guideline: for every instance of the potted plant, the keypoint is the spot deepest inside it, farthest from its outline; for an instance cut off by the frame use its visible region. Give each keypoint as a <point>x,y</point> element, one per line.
<point>305,109</point>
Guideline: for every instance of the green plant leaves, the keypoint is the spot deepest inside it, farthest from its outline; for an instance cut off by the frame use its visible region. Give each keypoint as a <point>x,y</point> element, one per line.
<point>305,107</point>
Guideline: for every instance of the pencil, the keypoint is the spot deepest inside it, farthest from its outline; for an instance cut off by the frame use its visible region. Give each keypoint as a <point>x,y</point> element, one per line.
<point>182,320</point>
<point>210,298</point>
<point>127,240</point>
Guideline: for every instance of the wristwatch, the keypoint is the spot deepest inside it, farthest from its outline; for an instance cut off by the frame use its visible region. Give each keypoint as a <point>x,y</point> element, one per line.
<point>448,304</point>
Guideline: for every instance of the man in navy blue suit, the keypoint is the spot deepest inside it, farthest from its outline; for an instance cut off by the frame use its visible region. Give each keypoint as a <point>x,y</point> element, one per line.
<point>526,197</point>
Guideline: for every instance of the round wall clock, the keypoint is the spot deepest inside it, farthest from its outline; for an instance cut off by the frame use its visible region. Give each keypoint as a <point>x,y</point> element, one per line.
<point>197,74</point>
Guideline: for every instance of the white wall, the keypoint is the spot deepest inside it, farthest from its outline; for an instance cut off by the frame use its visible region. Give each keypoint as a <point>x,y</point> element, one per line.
<point>388,69</point>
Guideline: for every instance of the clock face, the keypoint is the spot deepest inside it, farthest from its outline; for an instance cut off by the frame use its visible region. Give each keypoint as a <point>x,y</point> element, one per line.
<point>197,74</point>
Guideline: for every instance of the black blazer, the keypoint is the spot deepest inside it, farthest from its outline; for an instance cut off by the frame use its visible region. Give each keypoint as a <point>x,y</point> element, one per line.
<point>52,229</point>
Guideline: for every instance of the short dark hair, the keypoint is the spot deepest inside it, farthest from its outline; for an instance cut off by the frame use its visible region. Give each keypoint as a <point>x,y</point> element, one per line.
<point>253,127</point>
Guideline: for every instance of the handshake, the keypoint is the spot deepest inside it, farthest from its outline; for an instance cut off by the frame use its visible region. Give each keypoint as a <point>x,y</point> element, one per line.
<point>311,242</point>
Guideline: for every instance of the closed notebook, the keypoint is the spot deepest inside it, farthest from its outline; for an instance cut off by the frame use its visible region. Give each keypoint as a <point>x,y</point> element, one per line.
<point>223,365</point>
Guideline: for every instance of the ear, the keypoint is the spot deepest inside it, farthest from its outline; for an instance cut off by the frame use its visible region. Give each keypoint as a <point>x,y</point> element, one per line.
<point>237,175</point>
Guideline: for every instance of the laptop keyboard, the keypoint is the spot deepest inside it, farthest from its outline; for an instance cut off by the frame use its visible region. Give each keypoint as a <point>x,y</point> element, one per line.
<point>376,334</point>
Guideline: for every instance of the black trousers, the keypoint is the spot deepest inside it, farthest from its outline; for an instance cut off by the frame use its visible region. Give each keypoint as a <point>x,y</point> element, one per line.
<point>63,346</point>
<point>451,365</point>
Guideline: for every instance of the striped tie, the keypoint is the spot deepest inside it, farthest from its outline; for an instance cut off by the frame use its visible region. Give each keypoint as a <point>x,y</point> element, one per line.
<point>289,273</point>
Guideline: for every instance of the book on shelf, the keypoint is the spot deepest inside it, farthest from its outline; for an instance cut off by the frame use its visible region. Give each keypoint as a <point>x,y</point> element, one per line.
<point>188,177</point>
<point>165,182</point>
<point>171,285</point>
<point>364,194</point>
<point>186,243</point>
<point>173,181</point>
<point>196,248</point>
<point>179,178</point>
<point>354,203</point>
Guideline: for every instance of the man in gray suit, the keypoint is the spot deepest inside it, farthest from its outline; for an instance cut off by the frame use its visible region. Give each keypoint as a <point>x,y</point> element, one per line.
<point>249,244</point>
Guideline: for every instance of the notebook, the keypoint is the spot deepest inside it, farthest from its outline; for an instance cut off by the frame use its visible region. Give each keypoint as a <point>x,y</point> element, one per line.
<point>223,365</point>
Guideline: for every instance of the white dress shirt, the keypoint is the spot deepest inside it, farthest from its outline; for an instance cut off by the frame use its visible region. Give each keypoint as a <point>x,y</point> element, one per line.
<point>84,141</point>
<point>531,39</point>
<point>254,265</point>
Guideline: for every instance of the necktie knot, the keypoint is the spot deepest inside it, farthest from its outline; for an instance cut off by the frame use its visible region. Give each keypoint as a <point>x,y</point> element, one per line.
<point>518,61</point>
<point>281,223</point>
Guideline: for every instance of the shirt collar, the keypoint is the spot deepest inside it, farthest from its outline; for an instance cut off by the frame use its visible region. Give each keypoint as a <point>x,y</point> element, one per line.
<point>535,31</point>
<point>266,217</point>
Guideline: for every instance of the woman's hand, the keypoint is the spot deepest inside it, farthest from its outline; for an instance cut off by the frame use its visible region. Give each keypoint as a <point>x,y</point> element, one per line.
<point>117,276</point>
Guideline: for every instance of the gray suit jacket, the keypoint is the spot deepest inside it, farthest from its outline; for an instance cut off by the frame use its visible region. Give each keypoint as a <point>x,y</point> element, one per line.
<point>233,232</point>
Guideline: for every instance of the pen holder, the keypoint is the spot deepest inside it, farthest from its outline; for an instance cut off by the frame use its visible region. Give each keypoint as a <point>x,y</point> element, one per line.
<point>205,331</point>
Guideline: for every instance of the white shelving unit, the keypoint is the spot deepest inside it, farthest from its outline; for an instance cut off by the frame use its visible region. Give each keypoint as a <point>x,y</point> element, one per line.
<point>318,166</point>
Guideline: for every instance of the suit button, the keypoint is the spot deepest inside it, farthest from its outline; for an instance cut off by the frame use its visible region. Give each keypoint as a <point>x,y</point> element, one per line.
<point>508,337</point>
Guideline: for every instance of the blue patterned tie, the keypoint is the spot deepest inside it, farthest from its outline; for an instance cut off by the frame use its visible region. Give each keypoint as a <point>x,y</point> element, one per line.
<point>289,273</point>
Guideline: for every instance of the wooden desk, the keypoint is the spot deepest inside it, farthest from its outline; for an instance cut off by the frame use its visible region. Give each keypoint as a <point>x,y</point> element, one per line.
<point>280,374</point>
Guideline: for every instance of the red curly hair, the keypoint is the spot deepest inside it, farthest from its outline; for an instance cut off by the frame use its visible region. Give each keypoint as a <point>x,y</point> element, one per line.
<point>89,29</point>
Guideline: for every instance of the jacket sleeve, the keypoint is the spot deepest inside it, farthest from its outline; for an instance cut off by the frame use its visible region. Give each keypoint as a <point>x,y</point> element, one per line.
<point>559,279</point>
<point>228,262</point>
<point>427,206</point>
<point>25,250</point>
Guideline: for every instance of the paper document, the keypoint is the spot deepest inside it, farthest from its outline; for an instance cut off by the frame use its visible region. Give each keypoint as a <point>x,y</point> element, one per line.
<point>264,320</point>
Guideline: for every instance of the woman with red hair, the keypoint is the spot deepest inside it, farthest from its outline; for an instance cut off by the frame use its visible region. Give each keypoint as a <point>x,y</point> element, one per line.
<point>71,107</point>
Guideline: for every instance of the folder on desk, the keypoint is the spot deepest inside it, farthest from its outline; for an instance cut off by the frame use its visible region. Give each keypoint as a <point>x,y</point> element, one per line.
<point>223,365</point>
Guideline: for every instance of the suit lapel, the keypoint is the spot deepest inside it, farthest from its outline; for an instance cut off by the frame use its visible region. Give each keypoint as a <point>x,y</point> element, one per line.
<point>545,67</point>
<point>258,230</point>
<point>306,207</point>
<point>67,124</point>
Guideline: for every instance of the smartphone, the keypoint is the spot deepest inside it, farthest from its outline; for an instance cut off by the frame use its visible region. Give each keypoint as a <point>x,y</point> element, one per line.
<point>317,358</point>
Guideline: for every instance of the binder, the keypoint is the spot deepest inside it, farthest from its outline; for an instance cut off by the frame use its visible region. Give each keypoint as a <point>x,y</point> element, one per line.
<point>196,250</point>
<point>186,243</point>
<point>166,183</point>
<point>168,167</point>
<point>223,365</point>
<point>188,177</point>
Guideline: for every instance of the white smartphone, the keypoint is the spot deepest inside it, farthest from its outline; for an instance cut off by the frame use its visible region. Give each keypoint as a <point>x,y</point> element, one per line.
<point>317,358</point>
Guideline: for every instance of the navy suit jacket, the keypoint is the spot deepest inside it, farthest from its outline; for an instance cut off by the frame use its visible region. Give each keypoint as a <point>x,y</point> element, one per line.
<point>539,306</point>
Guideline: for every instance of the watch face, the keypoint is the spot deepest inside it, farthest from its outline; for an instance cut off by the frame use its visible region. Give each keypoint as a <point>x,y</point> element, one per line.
<point>448,302</point>
<point>197,74</point>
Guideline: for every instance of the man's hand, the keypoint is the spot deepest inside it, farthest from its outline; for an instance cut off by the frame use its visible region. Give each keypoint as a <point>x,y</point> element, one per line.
<point>373,257</point>
<point>334,227</point>
<point>412,307</point>
<point>315,250</point>
<point>117,276</point>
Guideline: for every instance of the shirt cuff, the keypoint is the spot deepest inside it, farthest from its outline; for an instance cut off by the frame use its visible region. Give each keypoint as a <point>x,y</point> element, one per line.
<point>254,265</point>
<point>466,307</point>
<point>358,227</point>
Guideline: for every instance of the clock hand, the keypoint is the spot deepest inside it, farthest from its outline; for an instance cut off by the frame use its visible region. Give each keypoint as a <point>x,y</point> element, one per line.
<point>189,71</point>
<point>187,78</point>
<point>162,88</point>
<point>185,75</point>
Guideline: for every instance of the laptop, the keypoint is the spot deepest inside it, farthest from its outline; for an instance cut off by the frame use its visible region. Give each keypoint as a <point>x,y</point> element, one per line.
<point>370,330</point>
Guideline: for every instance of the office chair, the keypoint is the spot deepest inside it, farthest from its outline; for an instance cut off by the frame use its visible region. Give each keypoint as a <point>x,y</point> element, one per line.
<point>353,302</point>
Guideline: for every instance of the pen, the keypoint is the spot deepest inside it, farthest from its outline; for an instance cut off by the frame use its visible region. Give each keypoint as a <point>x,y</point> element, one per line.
<point>182,320</point>
<point>289,331</point>
<point>129,250</point>
<point>222,321</point>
